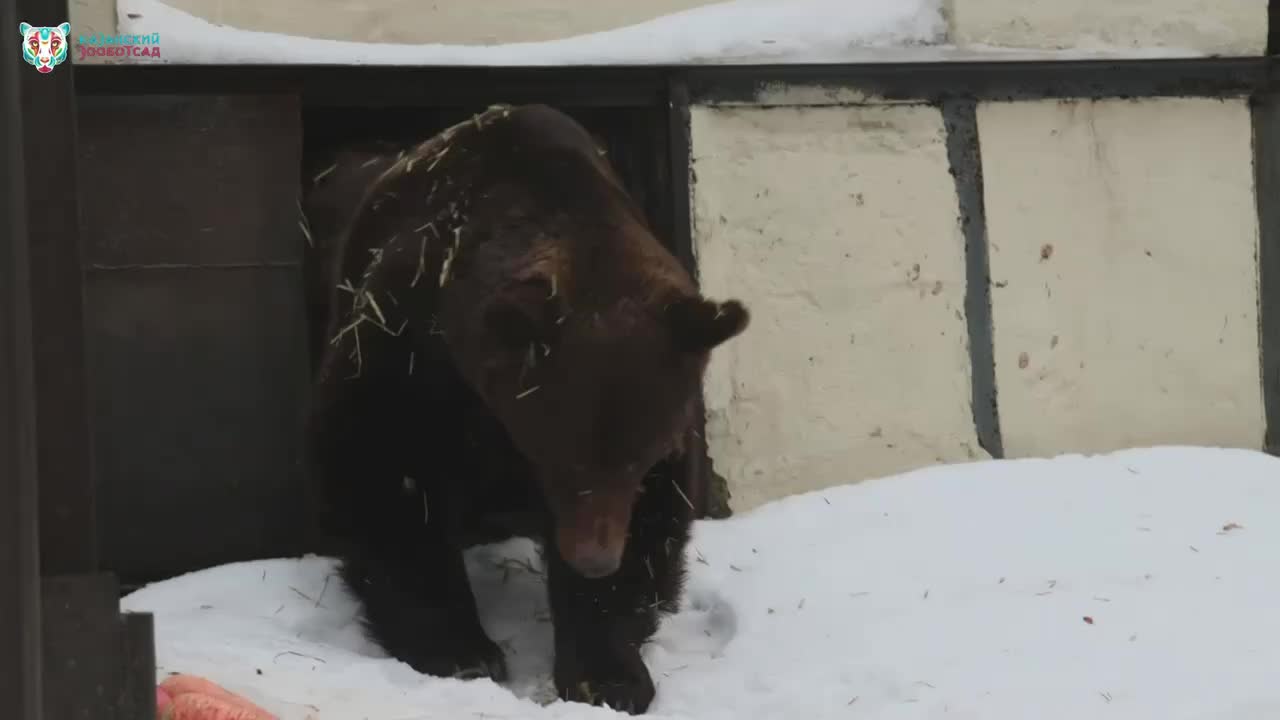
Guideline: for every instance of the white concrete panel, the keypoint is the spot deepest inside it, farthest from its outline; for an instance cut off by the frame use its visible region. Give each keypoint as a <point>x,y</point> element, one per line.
<point>1123,241</point>
<point>839,227</point>
<point>1224,27</point>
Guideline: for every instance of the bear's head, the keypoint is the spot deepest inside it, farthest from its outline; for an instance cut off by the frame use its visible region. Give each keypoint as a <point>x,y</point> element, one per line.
<point>582,333</point>
<point>595,399</point>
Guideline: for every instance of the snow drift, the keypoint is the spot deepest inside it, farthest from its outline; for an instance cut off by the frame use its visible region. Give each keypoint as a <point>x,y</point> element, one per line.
<point>1134,585</point>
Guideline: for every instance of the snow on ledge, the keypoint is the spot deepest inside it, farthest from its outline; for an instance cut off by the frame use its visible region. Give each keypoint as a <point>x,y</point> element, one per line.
<point>737,31</point>
<point>729,33</point>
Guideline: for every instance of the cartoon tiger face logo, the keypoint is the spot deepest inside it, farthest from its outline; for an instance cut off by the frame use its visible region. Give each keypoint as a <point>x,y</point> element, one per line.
<point>44,47</point>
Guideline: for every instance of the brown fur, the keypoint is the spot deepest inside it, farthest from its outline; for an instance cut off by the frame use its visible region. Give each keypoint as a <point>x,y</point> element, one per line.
<point>512,337</point>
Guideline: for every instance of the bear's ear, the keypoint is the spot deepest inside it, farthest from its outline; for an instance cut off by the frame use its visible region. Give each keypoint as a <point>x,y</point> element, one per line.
<point>524,312</point>
<point>698,324</point>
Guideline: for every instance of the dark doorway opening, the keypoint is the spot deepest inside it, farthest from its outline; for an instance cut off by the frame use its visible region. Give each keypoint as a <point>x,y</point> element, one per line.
<point>205,306</point>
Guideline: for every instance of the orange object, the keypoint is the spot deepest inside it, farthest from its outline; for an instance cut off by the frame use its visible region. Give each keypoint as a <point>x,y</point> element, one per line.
<point>163,701</point>
<point>198,706</point>
<point>182,686</point>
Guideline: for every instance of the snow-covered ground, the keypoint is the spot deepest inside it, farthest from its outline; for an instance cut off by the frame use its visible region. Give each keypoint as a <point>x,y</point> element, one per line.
<point>725,33</point>
<point>1137,585</point>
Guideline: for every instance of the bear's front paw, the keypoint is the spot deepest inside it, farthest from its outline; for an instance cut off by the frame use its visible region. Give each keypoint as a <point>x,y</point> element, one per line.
<point>480,658</point>
<point>622,683</point>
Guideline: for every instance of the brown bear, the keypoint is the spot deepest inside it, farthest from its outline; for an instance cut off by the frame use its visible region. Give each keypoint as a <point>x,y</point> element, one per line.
<point>511,351</point>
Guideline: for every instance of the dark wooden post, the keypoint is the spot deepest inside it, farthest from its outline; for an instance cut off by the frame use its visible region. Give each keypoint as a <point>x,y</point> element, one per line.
<point>64,447</point>
<point>73,654</point>
<point>20,648</point>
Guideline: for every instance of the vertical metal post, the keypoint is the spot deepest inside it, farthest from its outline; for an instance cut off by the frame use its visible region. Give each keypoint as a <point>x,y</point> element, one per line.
<point>21,658</point>
<point>64,450</point>
<point>1273,27</point>
<point>1266,167</point>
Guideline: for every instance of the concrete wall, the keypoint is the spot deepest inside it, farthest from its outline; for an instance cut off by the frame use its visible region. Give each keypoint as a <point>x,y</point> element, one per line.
<point>835,224</point>
<point>1123,239</point>
<point>1217,27</point>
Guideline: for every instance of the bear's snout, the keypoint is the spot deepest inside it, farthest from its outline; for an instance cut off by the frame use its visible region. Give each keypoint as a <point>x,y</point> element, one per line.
<point>592,558</point>
<point>593,536</point>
